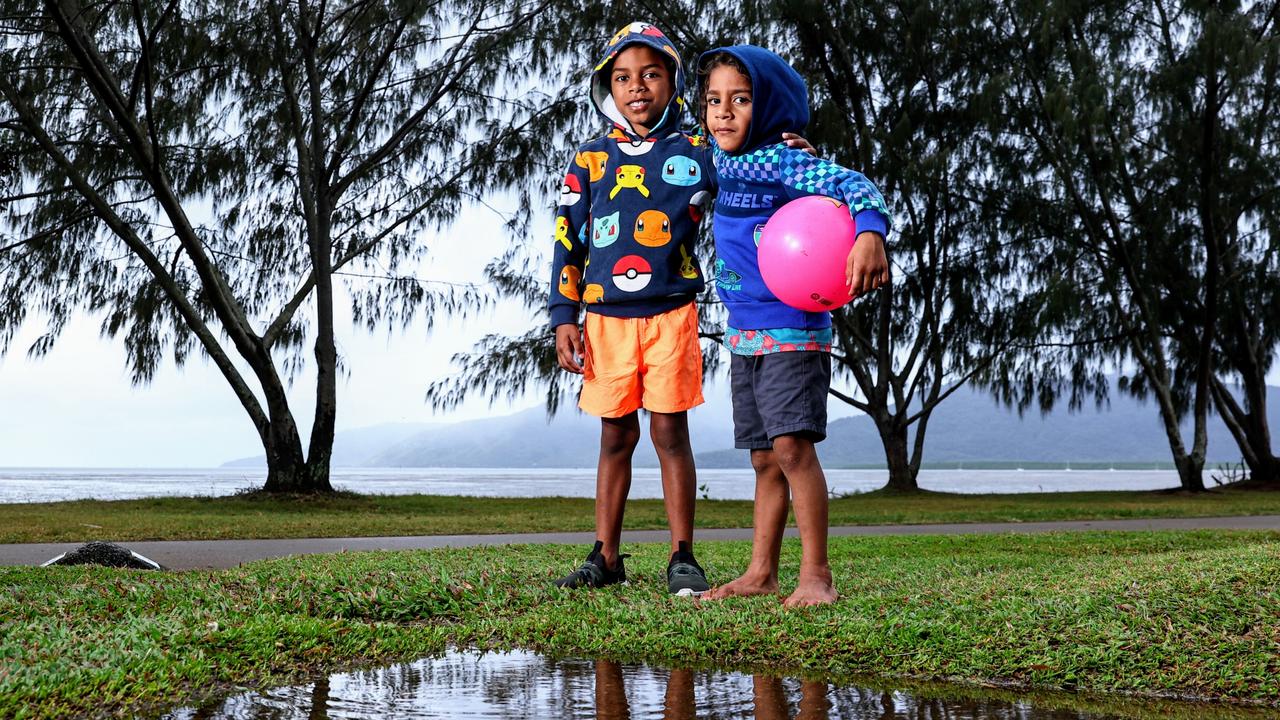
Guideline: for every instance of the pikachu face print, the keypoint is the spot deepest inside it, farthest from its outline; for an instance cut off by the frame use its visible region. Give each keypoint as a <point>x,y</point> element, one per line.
<point>688,268</point>
<point>628,176</point>
<point>562,232</point>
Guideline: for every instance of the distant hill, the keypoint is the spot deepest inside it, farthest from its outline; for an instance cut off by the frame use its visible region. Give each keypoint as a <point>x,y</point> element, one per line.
<point>357,447</point>
<point>969,428</point>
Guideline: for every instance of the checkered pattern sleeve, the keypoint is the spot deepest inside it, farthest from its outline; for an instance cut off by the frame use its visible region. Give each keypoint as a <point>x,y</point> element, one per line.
<point>803,174</point>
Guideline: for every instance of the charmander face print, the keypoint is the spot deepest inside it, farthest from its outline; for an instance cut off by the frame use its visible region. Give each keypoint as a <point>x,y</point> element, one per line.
<point>653,228</point>
<point>594,162</point>
<point>570,276</point>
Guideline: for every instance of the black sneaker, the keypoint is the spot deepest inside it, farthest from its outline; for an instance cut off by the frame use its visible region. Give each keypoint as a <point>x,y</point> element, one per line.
<point>684,575</point>
<point>593,573</point>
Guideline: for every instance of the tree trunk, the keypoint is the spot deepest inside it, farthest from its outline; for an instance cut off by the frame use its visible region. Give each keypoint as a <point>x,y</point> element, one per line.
<point>1250,428</point>
<point>902,479</point>
<point>1190,472</point>
<point>288,470</point>
<point>1190,465</point>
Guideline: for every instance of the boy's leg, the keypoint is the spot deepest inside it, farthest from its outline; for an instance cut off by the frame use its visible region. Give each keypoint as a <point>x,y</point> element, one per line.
<point>672,378</point>
<point>611,693</point>
<point>680,702</point>
<point>610,391</point>
<point>618,440</point>
<point>670,435</point>
<point>769,520</point>
<point>798,459</point>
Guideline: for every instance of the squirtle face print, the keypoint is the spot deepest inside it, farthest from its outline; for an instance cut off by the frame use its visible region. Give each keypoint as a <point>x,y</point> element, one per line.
<point>570,190</point>
<point>632,274</point>
<point>570,276</point>
<point>594,162</point>
<point>562,232</point>
<point>698,205</point>
<point>592,293</point>
<point>628,176</point>
<point>653,228</point>
<point>681,170</point>
<point>605,231</point>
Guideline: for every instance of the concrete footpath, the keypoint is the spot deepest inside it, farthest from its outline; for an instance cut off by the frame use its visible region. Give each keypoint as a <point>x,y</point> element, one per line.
<point>198,554</point>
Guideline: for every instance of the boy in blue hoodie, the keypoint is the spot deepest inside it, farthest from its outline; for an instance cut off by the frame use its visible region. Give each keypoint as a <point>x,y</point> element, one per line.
<point>625,233</point>
<point>781,363</point>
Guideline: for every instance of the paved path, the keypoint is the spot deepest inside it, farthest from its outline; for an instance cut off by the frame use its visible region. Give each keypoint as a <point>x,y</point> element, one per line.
<point>194,554</point>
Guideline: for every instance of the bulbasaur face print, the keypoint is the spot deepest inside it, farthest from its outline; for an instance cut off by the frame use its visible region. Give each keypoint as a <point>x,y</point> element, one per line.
<point>681,170</point>
<point>605,230</point>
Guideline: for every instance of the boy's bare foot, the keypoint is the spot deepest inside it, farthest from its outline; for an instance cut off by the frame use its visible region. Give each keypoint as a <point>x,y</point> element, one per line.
<point>745,586</point>
<point>813,589</point>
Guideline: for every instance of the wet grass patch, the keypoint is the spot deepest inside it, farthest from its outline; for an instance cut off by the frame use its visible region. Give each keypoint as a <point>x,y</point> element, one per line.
<point>1175,614</point>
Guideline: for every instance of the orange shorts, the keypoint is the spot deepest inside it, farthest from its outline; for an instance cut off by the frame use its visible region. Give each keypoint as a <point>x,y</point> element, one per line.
<point>653,363</point>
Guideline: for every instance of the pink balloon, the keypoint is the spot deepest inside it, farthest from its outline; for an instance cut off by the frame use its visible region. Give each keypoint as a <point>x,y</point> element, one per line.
<point>803,251</point>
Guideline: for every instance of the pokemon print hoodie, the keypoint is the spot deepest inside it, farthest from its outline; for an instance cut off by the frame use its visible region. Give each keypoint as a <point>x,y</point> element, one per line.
<point>630,206</point>
<point>765,174</point>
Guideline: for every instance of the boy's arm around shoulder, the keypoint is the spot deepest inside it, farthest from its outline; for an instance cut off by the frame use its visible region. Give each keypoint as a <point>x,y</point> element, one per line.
<point>804,174</point>
<point>568,259</point>
<point>867,266</point>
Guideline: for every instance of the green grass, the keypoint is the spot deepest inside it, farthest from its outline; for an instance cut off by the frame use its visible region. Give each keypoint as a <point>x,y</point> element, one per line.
<point>349,515</point>
<point>1167,613</point>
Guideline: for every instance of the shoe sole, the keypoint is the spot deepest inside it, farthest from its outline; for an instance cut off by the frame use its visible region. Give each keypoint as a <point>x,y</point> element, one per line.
<point>690,592</point>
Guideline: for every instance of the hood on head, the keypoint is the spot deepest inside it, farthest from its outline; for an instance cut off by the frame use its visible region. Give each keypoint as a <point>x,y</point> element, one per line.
<point>779,97</point>
<point>638,33</point>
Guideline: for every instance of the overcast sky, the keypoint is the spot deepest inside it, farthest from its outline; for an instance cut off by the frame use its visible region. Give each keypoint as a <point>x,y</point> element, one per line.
<point>77,408</point>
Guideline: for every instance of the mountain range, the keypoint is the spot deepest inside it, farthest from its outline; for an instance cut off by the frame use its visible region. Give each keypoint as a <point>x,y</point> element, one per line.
<point>968,429</point>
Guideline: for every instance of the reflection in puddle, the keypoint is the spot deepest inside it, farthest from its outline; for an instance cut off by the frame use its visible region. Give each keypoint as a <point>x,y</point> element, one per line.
<point>527,685</point>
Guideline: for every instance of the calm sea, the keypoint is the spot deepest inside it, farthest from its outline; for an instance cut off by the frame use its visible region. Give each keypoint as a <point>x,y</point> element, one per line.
<point>22,485</point>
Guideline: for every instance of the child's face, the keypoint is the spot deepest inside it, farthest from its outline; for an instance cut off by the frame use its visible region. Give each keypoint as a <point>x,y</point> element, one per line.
<point>728,103</point>
<point>641,85</point>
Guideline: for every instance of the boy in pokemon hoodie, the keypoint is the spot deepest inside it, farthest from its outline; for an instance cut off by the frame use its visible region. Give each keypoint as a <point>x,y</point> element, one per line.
<point>624,247</point>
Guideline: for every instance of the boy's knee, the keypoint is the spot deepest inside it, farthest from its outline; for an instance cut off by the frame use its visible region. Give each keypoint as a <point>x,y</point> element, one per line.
<point>670,438</point>
<point>793,452</point>
<point>618,438</point>
<point>762,461</point>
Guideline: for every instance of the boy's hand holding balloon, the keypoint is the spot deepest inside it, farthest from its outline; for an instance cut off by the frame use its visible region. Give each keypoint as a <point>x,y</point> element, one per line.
<point>867,268</point>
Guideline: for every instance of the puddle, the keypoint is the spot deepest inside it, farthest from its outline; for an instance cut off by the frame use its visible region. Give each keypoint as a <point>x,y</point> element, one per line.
<point>528,685</point>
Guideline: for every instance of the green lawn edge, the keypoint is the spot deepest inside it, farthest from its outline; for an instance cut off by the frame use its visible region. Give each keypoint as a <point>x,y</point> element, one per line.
<point>1154,614</point>
<point>352,515</point>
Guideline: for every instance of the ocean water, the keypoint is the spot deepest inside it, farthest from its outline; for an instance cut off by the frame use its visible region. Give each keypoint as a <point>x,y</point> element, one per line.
<point>25,485</point>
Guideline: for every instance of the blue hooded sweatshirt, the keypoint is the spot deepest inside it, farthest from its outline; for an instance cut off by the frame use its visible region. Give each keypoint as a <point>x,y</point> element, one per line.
<point>762,176</point>
<point>630,205</point>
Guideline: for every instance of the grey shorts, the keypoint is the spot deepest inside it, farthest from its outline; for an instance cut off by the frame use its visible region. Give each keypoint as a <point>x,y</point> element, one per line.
<point>781,393</point>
